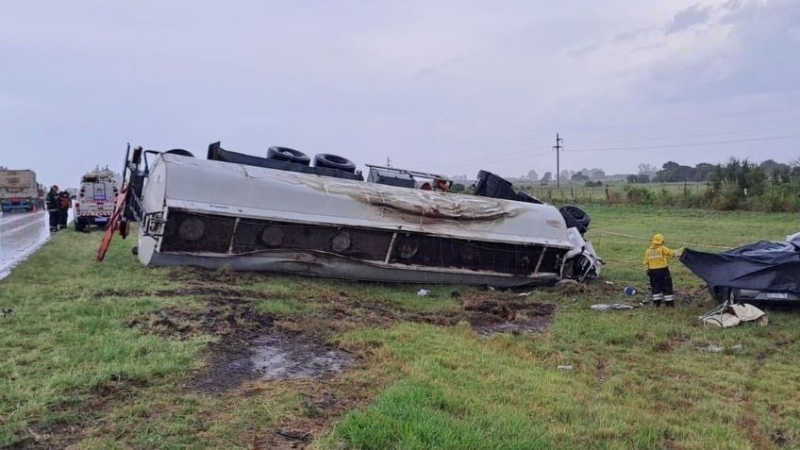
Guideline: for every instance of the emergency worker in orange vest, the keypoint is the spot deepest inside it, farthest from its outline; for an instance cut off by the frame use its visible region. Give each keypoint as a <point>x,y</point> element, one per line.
<point>64,204</point>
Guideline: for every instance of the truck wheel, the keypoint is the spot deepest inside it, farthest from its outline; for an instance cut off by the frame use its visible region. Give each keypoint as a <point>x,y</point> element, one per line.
<point>181,152</point>
<point>80,224</point>
<point>288,154</point>
<point>576,217</point>
<point>334,162</point>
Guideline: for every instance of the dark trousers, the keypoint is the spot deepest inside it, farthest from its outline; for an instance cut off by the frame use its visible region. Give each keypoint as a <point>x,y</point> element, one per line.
<point>53,213</point>
<point>62,217</point>
<point>661,281</point>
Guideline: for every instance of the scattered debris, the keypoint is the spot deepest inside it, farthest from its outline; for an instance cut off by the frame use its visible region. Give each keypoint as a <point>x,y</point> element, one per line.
<point>716,348</point>
<point>711,348</point>
<point>524,294</point>
<point>6,312</point>
<point>729,315</point>
<point>423,292</point>
<point>455,294</point>
<point>603,307</point>
<point>566,282</point>
<point>629,291</point>
<point>294,435</point>
<point>565,367</point>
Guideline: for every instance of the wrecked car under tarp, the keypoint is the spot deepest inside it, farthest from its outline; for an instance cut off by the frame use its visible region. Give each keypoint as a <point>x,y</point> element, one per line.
<point>764,270</point>
<point>280,214</point>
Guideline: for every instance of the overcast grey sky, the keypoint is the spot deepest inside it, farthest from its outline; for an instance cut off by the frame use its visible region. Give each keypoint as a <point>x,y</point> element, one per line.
<point>442,85</point>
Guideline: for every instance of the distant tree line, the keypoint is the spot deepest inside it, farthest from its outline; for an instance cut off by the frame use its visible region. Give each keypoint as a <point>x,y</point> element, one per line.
<point>672,172</point>
<point>737,184</point>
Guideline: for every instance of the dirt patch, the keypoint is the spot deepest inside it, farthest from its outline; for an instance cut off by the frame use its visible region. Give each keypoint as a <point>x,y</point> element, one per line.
<point>293,349</point>
<point>189,291</point>
<point>255,345</point>
<point>221,317</point>
<point>194,275</point>
<point>489,316</point>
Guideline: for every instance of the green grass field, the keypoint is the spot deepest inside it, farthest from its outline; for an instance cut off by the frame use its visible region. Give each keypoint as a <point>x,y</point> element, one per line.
<point>109,356</point>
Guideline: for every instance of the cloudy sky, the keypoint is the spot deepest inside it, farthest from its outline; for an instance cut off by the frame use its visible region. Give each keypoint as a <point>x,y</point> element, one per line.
<point>441,85</point>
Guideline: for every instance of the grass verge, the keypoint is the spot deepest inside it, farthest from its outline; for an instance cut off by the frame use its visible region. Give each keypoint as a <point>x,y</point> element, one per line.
<point>109,356</point>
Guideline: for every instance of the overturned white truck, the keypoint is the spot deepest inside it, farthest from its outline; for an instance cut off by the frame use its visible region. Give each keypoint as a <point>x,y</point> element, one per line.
<point>281,214</point>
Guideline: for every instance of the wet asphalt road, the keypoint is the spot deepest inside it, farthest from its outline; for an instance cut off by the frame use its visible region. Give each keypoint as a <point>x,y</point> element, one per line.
<point>21,234</point>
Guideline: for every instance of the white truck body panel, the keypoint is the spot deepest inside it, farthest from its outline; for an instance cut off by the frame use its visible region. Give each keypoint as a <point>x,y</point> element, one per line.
<point>177,186</point>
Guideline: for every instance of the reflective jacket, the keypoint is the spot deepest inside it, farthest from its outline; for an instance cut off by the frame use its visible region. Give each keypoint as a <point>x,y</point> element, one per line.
<point>52,201</point>
<point>657,256</point>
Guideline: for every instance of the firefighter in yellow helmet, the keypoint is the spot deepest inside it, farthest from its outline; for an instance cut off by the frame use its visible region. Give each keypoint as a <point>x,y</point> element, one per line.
<point>656,263</point>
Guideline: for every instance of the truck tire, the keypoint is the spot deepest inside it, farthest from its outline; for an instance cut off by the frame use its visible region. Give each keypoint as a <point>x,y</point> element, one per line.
<point>80,224</point>
<point>288,154</point>
<point>576,217</point>
<point>334,162</point>
<point>181,152</point>
<point>525,197</point>
<point>494,186</point>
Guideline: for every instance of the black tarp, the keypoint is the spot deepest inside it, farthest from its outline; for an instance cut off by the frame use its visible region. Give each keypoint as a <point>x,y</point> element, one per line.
<point>763,265</point>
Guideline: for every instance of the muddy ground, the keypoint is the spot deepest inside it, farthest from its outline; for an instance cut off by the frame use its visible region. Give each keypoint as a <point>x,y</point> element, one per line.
<point>255,345</point>
<point>285,349</point>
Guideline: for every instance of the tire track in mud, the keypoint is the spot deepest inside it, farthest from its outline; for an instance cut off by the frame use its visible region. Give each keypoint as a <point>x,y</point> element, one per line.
<point>749,420</point>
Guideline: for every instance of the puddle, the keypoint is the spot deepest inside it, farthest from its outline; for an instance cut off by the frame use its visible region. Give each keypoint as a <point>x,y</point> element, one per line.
<point>280,357</point>
<point>275,356</point>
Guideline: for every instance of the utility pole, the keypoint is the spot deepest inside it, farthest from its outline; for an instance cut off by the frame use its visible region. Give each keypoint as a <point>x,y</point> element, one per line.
<point>558,148</point>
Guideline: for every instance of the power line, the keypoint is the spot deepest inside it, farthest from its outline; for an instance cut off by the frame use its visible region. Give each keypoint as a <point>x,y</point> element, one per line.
<point>485,159</point>
<point>685,136</point>
<point>490,159</point>
<point>688,145</point>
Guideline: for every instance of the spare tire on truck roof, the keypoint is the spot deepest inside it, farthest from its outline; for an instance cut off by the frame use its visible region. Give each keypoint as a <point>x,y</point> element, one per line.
<point>334,162</point>
<point>288,154</point>
<point>180,151</point>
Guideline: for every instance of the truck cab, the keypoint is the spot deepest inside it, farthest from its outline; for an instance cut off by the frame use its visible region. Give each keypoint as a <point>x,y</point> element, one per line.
<point>95,199</point>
